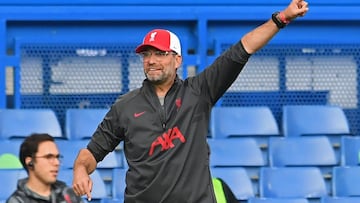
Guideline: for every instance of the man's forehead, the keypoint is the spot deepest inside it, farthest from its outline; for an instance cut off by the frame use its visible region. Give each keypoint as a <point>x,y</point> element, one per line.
<point>47,147</point>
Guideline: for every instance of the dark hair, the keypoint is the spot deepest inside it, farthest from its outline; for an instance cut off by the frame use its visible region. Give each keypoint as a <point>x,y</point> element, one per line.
<point>30,145</point>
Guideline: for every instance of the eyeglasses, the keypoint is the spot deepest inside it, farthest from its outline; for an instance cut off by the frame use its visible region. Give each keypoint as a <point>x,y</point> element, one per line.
<point>159,55</point>
<point>51,157</point>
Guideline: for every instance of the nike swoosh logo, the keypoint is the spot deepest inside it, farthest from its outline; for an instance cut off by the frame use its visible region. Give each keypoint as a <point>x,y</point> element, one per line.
<point>138,114</point>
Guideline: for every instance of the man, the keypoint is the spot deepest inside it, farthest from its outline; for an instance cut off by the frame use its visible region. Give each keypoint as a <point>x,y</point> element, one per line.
<point>164,124</point>
<point>40,157</point>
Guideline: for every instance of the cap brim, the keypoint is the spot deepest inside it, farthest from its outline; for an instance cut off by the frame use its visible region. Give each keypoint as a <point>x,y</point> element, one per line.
<point>142,47</point>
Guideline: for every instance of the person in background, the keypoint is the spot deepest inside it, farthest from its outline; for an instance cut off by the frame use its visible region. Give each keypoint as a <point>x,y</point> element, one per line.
<point>164,124</point>
<point>223,192</point>
<point>40,158</point>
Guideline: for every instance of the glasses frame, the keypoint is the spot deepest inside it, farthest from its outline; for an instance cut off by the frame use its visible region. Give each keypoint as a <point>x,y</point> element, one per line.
<point>51,157</point>
<point>158,54</point>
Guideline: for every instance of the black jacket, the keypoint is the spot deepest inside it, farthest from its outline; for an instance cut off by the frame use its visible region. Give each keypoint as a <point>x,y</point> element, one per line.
<point>166,147</point>
<point>60,194</point>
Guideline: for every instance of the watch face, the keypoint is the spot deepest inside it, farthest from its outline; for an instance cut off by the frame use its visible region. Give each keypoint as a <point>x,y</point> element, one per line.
<point>277,21</point>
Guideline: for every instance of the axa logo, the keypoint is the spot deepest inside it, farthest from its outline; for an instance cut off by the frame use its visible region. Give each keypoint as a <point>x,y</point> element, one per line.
<point>165,141</point>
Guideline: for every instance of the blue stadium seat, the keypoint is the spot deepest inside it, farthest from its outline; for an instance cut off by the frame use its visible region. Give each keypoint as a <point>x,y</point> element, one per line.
<point>301,151</point>
<point>292,182</point>
<point>19,123</point>
<point>70,149</point>
<point>346,181</point>
<point>304,151</point>
<point>315,120</point>
<point>237,179</point>
<point>242,121</point>
<point>118,186</point>
<point>340,200</point>
<point>299,120</point>
<point>277,200</point>
<point>238,152</point>
<point>10,146</point>
<point>99,188</point>
<point>235,152</point>
<point>350,150</point>
<point>9,178</point>
<point>9,153</point>
<point>66,175</point>
<point>82,123</point>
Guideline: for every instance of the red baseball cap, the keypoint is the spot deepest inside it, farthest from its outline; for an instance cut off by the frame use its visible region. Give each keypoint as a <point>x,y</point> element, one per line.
<point>161,39</point>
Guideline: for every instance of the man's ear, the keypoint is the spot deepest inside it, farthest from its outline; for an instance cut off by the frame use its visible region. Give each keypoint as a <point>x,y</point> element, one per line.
<point>29,162</point>
<point>178,60</point>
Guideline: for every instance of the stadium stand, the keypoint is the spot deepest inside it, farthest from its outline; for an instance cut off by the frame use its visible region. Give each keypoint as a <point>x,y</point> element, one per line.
<point>68,64</point>
<point>314,151</point>
<point>10,146</point>
<point>298,120</point>
<point>350,150</point>
<point>301,151</point>
<point>10,177</point>
<point>242,121</point>
<point>237,179</point>
<point>82,123</point>
<point>118,186</point>
<point>303,120</point>
<point>346,181</point>
<point>237,152</point>
<point>315,120</point>
<point>31,121</point>
<point>257,123</point>
<point>277,200</point>
<point>292,182</point>
<point>340,200</point>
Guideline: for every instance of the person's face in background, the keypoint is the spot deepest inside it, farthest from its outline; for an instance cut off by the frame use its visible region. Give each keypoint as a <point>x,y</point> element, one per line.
<point>46,164</point>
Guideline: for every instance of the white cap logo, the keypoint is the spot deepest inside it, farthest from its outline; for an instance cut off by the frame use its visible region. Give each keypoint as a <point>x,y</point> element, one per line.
<point>152,36</point>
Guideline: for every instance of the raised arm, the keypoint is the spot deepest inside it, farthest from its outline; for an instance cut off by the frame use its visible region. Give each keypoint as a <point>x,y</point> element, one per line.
<point>260,36</point>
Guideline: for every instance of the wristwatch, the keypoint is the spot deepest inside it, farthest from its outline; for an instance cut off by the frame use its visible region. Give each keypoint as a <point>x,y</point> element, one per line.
<point>275,18</point>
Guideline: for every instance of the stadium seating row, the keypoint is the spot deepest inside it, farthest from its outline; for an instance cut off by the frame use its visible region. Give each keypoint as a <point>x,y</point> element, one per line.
<point>99,192</point>
<point>275,183</point>
<point>79,124</point>
<point>292,182</point>
<point>246,138</point>
<point>297,120</point>
<point>295,151</point>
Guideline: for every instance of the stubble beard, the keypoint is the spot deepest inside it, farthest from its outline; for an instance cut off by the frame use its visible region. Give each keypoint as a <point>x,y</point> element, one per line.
<point>157,79</point>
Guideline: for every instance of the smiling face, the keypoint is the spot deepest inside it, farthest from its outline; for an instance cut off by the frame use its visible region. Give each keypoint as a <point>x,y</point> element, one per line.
<point>45,164</point>
<point>160,66</point>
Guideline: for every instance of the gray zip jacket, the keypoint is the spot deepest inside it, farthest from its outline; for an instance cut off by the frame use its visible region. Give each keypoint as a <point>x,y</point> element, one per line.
<point>165,146</point>
<point>60,193</point>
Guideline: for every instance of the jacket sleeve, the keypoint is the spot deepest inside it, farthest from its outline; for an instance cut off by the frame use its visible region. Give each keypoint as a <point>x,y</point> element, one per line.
<point>107,135</point>
<point>213,82</point>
